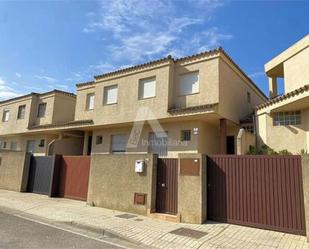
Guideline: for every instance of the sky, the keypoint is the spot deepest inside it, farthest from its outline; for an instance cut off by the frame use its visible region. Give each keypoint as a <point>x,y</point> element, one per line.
<point>46,45</point>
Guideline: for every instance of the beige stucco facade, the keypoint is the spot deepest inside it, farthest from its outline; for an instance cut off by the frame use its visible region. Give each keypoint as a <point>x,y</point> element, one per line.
<point>17,131</point>
<point>292,65</point>
<point>222,91</point>
<point>225,92</point>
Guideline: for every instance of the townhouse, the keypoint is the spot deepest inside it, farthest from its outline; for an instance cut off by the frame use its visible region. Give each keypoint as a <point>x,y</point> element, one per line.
<point>198,102</point>
<point>22,114</point>
<point>283,121</point>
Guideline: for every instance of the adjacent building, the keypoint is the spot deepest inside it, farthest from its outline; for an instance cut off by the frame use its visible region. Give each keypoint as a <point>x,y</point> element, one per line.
<point>283,121</point>
<point>22,115</point>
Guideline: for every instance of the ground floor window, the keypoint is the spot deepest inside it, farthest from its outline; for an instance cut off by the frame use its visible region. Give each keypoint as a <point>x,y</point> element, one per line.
<point>186,135</point>
<point>13,145</point>
<point>119,143</point>
<point>287,118</point>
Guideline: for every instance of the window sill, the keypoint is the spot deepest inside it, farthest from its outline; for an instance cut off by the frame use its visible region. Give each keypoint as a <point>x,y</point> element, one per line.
<point>189,94</point>
<point>110,104</point>
<point>147,98</point>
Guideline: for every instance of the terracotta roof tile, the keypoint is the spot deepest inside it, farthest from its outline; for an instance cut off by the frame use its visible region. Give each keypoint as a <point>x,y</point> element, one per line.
<point>283,97</point>
<point>190,109</point>
<point>39,95</point>
<point>85,83</point>
<point>64,125</point>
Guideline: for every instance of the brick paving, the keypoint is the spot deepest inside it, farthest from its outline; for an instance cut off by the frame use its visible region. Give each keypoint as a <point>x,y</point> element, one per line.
<point>149,232</point>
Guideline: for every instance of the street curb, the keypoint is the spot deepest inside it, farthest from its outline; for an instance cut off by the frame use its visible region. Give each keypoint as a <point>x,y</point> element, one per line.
<point>104,232</point>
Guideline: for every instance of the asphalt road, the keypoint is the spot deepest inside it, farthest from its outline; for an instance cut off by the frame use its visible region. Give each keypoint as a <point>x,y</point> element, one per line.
<point>20,233</point>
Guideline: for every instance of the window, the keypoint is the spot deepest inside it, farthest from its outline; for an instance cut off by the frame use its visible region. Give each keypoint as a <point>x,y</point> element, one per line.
<point>186,135</point>
<point>248,97</point>
<point>90,101</point>
<point>119,143</point>
<point>99,140</point>
<point>287,118</point>
<point>41,110</point>
<point>42,143</point>
<point>6,116</point>
<point>189,83</point>
<point>4,145</point>
<point>147,88</point>
<point>13,145</point>
<point>21,112</point>
<point>110,95</point>
<point>30,146</point>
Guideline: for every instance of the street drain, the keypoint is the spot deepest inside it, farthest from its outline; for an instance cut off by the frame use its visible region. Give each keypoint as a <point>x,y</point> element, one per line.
<point>189,233</point>
<point>126,216</point>
<point>138,219</point>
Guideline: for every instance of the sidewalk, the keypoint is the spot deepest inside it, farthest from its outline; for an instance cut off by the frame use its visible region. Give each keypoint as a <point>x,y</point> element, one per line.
<point>151,233</point>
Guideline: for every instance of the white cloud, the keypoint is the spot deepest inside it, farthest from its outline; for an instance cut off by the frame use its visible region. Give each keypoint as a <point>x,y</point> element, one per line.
<point>6,91</point>
<point>47,78</point>
<point>142,30</point>
<point>257,74</point>
<point>18,75</point>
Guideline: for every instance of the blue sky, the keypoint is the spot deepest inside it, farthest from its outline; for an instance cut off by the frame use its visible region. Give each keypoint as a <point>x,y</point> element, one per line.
<point>56,44</point>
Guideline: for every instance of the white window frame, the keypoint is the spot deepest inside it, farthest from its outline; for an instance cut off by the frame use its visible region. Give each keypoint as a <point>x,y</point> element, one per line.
<point>6,115</point>
<point>188,86</point>
<point>286,118</point>
<point>90,101</point>
<point>146,84</point>
<point>118,148</point>
<point>106,97</point>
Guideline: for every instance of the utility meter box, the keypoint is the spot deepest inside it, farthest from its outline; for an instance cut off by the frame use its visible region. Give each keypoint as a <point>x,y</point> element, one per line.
<point>139,166</point>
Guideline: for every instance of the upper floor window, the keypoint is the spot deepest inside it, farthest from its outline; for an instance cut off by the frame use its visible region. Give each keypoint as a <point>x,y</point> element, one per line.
<point>110,95</point>
<point>90,101</point>
<point>119,143</point>
<point>287,118</point>
<point>21,112</point>
<point>6,116</point>
<point>41,110</point>
<point>189,83</point>
<point>147,88</point>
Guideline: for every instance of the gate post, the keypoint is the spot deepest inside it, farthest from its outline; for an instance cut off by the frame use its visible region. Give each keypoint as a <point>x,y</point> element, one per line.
<point>305,174</point>
<point>192,188</point>
<point>54,181</point>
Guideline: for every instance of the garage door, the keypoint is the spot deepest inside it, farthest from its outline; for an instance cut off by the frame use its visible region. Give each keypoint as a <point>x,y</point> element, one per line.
<point>40,174</point>
<point>259,191</point>
<point>74,177</point>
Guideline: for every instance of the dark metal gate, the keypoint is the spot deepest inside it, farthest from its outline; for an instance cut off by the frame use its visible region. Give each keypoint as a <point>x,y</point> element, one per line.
<point>74,177</point>
<point>260,191</point>
<point>167,186</point>
<point>40,174</point>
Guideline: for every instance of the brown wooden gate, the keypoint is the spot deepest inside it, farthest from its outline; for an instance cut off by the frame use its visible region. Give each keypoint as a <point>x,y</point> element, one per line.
<point>74,177</point>
<point>167,186</point>
<point>260,191</point>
